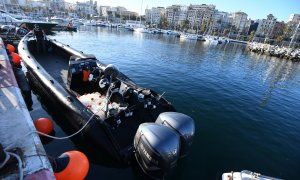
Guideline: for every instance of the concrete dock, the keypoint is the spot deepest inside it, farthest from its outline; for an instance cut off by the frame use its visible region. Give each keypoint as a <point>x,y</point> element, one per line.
<point>16,130</point>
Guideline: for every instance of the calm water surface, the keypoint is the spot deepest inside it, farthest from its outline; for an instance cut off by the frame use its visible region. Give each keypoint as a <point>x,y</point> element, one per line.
<point>246,106</point>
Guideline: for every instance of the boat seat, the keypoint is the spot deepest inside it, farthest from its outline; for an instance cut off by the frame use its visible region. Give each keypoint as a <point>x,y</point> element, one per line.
<point>75,74</point>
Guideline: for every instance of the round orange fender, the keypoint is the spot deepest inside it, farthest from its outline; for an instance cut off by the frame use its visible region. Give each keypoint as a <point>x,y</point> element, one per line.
<point>10,48</point>
<point>76,166</point>
<point>16,58</point>
<point>44,125</point>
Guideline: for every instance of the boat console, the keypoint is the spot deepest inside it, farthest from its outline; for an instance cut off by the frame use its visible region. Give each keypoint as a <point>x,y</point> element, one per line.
<point>75,73</point>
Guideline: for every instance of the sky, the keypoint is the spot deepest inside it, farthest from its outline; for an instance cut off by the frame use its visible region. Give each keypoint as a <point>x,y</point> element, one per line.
<point>256,9</point>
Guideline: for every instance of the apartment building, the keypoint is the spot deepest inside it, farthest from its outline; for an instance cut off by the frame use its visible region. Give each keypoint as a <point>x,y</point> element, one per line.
<point>200,14</point>
<point>294,18</point>
<point>154,15</point>
<point>240,22</point>
<point>176,15</point>
<point>266,26</point>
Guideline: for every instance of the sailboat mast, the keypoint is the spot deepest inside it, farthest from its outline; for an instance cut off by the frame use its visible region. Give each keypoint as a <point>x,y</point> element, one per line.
<point>295,32</point>
<point>141,13</point>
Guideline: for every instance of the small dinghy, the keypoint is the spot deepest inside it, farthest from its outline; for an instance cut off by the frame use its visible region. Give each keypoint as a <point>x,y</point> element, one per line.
<point>246,175</point>
<point>122,118</point>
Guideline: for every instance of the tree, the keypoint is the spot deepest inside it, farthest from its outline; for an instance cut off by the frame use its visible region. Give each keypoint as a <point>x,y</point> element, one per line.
<point>185,24</point>
<point>226,31</point>
<point>288,31</point>
<point>163,23</point>
<point>252,34</point>
<point>279,39</point>
<point>203,27</point>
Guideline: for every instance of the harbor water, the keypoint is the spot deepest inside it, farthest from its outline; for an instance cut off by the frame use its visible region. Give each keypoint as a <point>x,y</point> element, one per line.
<point>246,106</point>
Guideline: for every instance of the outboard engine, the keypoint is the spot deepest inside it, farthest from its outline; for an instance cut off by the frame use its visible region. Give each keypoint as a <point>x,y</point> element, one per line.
<point>183,125</point>
<point>156,149</point>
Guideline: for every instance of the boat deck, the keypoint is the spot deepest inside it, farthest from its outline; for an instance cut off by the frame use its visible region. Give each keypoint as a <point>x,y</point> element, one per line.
<point>55,65</point>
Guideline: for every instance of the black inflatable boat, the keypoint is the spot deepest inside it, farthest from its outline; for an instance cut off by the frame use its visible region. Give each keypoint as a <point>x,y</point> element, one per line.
<point>122,118</point>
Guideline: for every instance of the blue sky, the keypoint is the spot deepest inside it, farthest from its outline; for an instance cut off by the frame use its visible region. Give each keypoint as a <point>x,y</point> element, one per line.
<point>256,9</point>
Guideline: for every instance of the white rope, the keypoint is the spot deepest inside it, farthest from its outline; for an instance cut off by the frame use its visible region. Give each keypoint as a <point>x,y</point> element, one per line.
<point>7,156</point>
<point>20,164</point>
<point>66,137</point>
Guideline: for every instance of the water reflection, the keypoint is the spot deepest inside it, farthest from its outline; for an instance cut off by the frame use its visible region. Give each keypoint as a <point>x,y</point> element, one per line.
<point>279,74</point>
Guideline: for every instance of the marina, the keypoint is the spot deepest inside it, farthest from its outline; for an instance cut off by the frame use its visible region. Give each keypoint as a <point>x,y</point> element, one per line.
<point>262,104</point>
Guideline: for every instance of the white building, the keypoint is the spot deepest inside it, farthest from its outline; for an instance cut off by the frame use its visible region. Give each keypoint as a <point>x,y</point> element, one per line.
<point>12,6</point>
<point>176,15</point>
<point>240,21</point>
<point>198,15</point>
<point>294,18</point>
<point>103,11</point>
<point>220,21</point>
<point>154,15</point>
<point>86,9</point>
<point>266,26</point>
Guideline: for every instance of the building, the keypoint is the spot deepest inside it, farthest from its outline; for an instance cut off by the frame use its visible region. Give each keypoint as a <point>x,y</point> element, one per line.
<point>240,22</point>
<point>153,16</point>
<point>220,21</point>
<point>253,27</point>
<point>116,14</point>
<point>266,26</point>
<point>103,11</point>
<point>12,6</point>
<point>200,16</point>
<point>86,9</point>
<point>294,18</point>
<point>176,15</point>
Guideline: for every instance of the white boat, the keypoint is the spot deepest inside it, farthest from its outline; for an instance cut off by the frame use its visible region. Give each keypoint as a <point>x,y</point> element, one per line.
<point>212,40</point>
<point>246,175</point>
<point>132,25</point>
<point>76,21</point>
<point>60,21</point>
<point>200,38</point>
<point>90,23</point>
<point>27,22</point>
<point>189,36</point>
<point>141,30</point>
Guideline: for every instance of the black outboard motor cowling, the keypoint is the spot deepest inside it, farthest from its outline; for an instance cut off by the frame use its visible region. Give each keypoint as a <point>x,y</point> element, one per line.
<point>183,125</point>
<point>156,149</point>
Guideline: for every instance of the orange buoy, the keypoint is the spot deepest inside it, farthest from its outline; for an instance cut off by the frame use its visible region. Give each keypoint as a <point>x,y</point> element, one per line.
<point>16,58</point>
<point>44,125</point>
<point>10,48</point>
<point>71,165</point>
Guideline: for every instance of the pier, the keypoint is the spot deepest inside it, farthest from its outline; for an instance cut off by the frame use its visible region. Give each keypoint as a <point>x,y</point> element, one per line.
<point>21,145</point>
